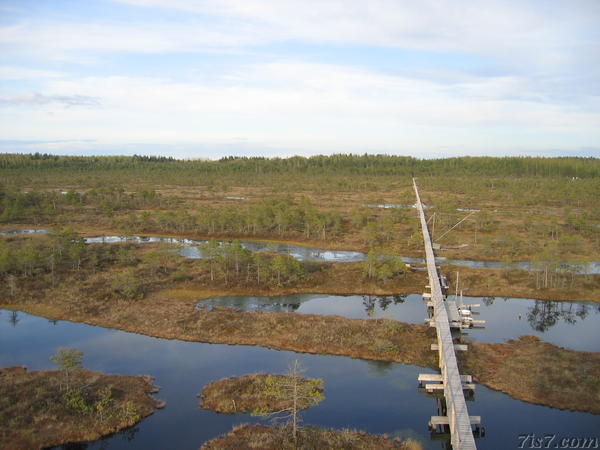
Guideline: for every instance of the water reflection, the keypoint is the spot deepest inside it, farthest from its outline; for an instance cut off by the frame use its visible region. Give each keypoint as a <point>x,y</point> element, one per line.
<point>568,324</point>
<point>25,231</point>
<point>355,396</point>
<point>544,315</point>
<point>14,318</point>
<point>380,368</point>
<point>370,302</point>
<point>488,301</point>
<point>372,396</point>
<point>352,306</point>
<point>189,248</point>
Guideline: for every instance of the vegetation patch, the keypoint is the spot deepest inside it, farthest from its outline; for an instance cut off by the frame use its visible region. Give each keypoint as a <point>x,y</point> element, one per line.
<point>542,210</point>
<point>38,410</point>
<point>511,282</point>
<point>259,393</point>
<point>537,372</point>
<point>519,208</point>
<point>309,437</point>
<point>59,278</point>
<point>380,339</point>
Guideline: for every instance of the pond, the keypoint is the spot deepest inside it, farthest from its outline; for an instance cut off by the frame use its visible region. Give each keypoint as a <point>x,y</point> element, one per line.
<point>25,231</point>
<point>375,397</point>
<point>190,249</point>
<point>574,325</point>
<point>393,206</point>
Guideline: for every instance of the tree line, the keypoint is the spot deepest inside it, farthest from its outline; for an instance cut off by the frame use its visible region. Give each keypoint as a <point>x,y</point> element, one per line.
<point>333,164</point>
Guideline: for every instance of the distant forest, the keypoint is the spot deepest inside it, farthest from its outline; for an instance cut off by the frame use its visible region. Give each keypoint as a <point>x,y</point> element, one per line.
<point>341,164</point>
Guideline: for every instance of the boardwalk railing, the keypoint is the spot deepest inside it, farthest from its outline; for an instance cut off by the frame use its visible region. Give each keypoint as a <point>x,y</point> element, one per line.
<point>461,433</point>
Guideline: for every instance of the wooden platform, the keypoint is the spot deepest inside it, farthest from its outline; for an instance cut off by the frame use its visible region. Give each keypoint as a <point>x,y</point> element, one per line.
<point>438,377</point>
<point>458,417</point>
<point>443,420</point>
<point>457,347</point>
<point>429,387</point>
<point>453,315</point>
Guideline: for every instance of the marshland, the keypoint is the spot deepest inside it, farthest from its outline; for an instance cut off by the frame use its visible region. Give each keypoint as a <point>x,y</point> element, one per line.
<point>148,277</point>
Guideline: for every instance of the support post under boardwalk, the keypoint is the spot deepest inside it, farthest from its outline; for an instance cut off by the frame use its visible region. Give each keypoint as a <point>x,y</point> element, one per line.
<point>461,433</point>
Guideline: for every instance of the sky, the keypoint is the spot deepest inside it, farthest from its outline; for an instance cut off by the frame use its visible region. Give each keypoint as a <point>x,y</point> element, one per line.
<point>205,79</point>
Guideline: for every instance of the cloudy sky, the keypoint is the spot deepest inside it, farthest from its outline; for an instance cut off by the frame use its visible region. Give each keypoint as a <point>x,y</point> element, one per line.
<point>207,78</point>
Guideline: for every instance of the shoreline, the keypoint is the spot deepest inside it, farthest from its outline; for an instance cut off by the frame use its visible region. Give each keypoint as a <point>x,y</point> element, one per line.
<point>88,231</point>
<point>348,278</point>
<point>374,339</point>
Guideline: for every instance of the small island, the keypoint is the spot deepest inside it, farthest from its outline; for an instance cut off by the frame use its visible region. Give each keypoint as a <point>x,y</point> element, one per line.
<point>281,397</point>
<point>46,408</point>
<point>260,393</point>
<point>260,436</point>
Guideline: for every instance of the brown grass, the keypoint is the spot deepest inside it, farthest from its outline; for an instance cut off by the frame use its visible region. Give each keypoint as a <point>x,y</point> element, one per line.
<point>348,278</point>
<point>263,437</point>
<point>520,284</point>
<point>257,392</point>
<point>168,312</point>
<point>537,372</point>
<point>35,414</point>
<point>382,339</point>
<point>162,315</point>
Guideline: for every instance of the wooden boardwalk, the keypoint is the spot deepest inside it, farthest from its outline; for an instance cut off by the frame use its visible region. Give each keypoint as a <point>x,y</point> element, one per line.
<point>458,419</point>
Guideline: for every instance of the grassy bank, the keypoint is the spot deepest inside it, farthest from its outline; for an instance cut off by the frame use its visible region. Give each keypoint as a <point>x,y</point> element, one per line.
<point>37,412</point>
<point>172,317</point>
<point>494,246</point>
<point>156,267</point>
<point>163,306</point>
<point>537,372</point>
<point>262,437</point>
<point>520,284</point>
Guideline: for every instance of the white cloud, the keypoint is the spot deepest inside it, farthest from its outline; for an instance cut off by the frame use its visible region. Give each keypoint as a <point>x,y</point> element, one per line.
<point>548,34</point>
<point>37,99</point>
<point>555,46</point>
<point>299,106</point>
<point>518,32</point>
<point>24,73</point>
<point>52,40</point>
<point>542,84</point>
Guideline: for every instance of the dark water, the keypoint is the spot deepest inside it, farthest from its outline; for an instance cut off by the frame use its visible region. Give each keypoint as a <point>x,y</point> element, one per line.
<point>574,325</point>
<point>190,249</point>
<point>375,397</point>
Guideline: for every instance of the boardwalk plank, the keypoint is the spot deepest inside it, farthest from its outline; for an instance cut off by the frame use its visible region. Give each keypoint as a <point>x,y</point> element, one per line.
<point>458,415</point>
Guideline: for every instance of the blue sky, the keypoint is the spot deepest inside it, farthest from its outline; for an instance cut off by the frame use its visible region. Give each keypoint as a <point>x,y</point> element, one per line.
<point>201,78</point>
